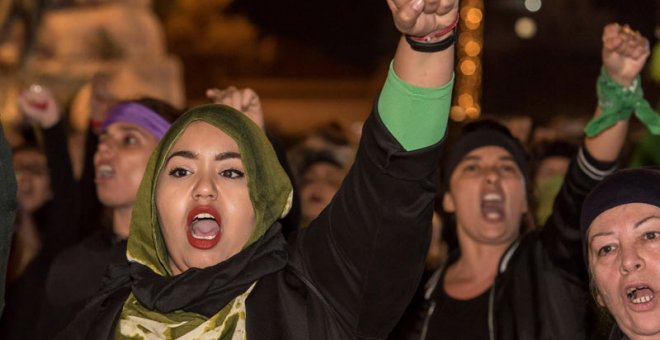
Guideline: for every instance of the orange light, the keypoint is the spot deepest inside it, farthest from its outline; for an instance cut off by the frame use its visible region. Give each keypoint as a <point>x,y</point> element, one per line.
<point>472,112</point>
<point>465,100</point>
<point>468,67</point>
<point>472,48</point>
<point>473,18</point>
<point>457,114</point>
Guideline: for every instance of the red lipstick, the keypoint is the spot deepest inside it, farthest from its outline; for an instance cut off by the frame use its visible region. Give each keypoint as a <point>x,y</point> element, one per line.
<point>203,227</point>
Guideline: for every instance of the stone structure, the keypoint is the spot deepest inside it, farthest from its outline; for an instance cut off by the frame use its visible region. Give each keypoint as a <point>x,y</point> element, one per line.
<point>121,39</point>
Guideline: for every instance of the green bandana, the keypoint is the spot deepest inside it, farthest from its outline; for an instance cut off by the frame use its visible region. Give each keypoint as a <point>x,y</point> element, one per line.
<point>270,193</point>
<point>618,103</point>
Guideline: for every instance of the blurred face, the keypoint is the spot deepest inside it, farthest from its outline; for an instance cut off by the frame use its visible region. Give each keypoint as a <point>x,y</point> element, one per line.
<point>487,194</point>
<point>549,168</point>
<point>120,160</point>
<point>319,184</point>
<point>203,200</point>
<point>32,179</point>
<point>624,259</point>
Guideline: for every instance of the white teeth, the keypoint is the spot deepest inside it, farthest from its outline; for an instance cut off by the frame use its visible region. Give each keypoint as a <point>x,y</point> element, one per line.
<point>630,291</point>
<point>493,197</point>
<point>208,237</point>
<point>642,299</point>
<point>105,169</point>
<point>203,215</point>
<point>492,215</point>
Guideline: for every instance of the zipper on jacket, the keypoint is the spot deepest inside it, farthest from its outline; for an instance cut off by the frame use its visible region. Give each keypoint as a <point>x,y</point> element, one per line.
<point>429,312</point>
<point>504,263</point>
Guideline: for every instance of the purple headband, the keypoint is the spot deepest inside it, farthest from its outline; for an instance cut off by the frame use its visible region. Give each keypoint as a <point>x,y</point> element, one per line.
<point>139,115</point>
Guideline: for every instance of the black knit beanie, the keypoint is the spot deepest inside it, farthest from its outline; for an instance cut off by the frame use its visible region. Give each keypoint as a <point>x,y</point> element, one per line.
<point>485,133</point>
<point>640,185</point>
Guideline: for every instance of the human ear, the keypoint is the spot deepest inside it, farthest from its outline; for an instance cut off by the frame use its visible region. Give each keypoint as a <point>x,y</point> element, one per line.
<point>448,203</point>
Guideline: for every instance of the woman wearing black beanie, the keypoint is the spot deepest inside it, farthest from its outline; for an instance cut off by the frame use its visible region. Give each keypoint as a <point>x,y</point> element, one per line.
<point>621,235</point>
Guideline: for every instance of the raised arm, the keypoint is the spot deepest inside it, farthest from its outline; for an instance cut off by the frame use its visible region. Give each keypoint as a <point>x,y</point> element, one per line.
<point>365,252</point>
<point>40,106</point>
<point>624,54</point>
<point>419,18</point>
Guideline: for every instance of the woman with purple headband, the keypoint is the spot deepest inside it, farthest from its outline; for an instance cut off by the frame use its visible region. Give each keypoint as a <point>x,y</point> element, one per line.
<point>128,135</point>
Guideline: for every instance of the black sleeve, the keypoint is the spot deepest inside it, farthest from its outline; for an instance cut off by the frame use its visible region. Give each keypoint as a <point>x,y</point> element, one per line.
<point>7,210</point>
<point>88,207</point>
<point>365,252</point>
<point>59,230</point>
<point>561,234</point>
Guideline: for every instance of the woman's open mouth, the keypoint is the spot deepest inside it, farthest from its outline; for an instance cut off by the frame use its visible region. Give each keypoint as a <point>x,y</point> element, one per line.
<point>203,227</point>
<point>641,296</point>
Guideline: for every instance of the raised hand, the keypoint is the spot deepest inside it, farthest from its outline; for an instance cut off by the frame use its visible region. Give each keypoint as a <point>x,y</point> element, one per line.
<point>421,17</point>
<point>39,105</point>
<point>624,53</point>
<point>101,98</point>
<point>244,100</point>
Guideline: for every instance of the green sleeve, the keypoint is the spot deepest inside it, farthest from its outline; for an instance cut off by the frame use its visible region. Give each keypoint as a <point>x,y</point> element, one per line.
<point>415,116</point>
<point>7,210</point>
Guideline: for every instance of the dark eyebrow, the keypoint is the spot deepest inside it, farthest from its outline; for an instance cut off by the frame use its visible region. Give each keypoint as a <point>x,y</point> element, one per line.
<point>227,155</point>
<point>644,220</point>
<point>183,153</point>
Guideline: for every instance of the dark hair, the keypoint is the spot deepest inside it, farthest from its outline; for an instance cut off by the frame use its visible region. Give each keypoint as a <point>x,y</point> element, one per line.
<point>470,139</point>
<point>313,157</point>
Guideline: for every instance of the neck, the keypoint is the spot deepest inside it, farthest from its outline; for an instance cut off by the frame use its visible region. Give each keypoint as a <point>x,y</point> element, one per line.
<point>479,260</point>
<point>121,221</point>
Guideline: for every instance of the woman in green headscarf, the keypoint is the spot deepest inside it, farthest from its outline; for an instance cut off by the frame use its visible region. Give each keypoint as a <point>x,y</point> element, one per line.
<point>207,259</point>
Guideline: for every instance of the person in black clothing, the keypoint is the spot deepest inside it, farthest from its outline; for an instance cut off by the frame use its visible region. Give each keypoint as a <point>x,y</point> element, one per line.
<point>504,283</point>
<point>621,236</point>
<point>53,219</point>
<point>128,136</point>
<point>206,258</point>
<point>33,193</point>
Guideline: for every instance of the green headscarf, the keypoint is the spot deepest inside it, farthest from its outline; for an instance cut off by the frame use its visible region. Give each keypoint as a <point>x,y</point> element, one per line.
<point>270,193</point>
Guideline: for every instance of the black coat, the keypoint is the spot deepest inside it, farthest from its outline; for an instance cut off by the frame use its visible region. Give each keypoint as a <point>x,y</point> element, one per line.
<point>541,288</point>
<point>351,273</point>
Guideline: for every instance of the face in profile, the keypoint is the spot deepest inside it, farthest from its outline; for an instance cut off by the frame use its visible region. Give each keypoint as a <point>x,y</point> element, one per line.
<point>624,260</point>
<point>487,194</point>
<point>32,179</point>
<point>203,199</point>
<point>119,162</point>
<point>320,183</point>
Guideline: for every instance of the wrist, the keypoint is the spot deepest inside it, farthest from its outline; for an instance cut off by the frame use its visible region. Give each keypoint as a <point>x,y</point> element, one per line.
<point>436,41</point>
<point>436,36</point>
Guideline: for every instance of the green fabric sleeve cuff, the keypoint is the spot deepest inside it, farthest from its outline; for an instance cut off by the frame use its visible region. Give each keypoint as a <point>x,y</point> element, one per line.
<point>415,116</point>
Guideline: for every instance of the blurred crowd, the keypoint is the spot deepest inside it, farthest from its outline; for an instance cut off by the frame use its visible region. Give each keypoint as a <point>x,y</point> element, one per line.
<point>79,164</point>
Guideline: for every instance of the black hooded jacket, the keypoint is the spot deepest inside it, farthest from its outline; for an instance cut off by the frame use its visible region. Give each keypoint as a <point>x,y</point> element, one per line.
<point>351,274</point>
<point>541,289</point>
